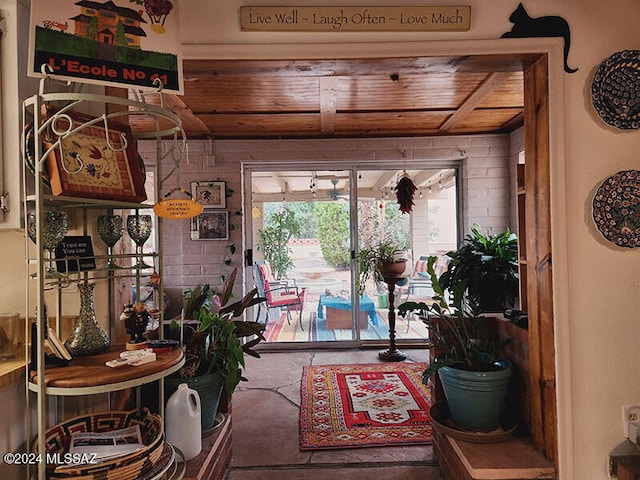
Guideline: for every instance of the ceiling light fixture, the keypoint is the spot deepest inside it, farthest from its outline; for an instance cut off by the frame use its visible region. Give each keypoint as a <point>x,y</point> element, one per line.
<point>334,194</point>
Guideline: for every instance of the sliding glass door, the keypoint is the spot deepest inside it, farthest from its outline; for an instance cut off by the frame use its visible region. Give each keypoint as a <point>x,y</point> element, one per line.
<point>301,245</point>
<point>430,229</point>
<point>302,239</point>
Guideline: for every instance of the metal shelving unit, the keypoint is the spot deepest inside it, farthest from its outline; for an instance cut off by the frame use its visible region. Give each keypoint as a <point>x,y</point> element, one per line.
<point>61,382</point>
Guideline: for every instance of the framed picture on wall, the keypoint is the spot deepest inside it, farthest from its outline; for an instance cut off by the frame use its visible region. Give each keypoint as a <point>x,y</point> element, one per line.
<point>210,225</point>
<point>210,194</point>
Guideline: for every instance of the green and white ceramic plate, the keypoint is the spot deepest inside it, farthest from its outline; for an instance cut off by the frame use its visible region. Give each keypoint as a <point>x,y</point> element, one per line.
<point>616,208</point>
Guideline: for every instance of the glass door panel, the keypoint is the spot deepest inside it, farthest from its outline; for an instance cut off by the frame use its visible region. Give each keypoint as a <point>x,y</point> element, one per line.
<point>431,228</point>
<point>301,224</point>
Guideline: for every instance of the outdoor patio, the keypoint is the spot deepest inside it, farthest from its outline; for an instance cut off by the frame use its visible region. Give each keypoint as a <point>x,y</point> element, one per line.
<point>326,315</point>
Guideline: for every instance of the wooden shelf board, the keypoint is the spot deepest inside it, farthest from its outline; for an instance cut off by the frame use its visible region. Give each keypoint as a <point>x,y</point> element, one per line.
<point>86,375</point>
<point>512,459</point>
<point>12,370</point>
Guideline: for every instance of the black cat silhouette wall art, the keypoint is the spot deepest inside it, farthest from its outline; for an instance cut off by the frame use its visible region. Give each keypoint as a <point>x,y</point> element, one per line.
<point>549,26</point>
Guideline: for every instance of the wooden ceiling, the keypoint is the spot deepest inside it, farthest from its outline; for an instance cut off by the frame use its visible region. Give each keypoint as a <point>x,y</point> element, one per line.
<point>250,99</point>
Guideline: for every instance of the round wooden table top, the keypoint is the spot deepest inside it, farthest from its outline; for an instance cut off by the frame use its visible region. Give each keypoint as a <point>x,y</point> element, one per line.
<point>90,372</point>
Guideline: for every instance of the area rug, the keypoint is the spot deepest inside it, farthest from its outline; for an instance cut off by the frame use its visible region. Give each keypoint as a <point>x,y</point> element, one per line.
<point>365,405</point>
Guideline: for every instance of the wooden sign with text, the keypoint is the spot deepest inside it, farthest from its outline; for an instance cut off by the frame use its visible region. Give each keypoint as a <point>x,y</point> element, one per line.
<point>355,19</point>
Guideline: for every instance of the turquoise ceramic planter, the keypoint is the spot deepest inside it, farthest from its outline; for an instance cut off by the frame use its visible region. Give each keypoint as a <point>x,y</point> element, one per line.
<point>475,399</point>
<point>209,388</point>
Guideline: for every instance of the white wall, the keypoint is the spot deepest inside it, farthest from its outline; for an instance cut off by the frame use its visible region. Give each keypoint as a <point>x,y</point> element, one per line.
<point>485,183</point>
<point>596,287</point>
<point>595,284</point>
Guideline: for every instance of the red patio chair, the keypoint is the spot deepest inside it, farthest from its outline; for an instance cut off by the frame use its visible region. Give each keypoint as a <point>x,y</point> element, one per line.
<point>279,293</point>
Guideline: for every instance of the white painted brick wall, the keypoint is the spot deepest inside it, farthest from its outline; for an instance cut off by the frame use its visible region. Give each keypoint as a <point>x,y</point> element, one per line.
<point>486,185</point>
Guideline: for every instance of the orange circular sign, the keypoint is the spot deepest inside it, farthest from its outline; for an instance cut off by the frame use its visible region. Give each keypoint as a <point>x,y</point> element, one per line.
<point>176,208</point>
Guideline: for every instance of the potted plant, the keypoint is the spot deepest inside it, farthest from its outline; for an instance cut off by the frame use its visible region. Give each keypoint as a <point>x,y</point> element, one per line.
<point>216,346</point>
<point>474,377</point>
<point>380,260</point>
<point>489,266</point>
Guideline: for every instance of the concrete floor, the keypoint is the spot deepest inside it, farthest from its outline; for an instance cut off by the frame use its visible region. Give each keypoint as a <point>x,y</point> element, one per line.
<point>265,427</point>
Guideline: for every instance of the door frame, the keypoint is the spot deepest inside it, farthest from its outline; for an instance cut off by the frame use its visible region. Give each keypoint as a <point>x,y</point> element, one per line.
<point>551,378</point>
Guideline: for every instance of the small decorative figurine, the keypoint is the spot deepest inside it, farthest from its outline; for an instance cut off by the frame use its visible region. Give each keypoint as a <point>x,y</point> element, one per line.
<point>136,318</point>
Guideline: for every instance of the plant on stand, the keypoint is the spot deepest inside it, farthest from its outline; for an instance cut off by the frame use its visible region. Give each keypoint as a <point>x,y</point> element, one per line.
<point>385,263</point>
<point>474,376</point>
<point>216,346</point>
<point>374,261</point>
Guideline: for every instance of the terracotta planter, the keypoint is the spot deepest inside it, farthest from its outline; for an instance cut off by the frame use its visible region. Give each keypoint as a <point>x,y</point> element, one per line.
<point>392,270</point>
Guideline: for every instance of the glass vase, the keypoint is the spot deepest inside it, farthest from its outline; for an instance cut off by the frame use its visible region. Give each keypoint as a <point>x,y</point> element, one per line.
<point>87,337</point>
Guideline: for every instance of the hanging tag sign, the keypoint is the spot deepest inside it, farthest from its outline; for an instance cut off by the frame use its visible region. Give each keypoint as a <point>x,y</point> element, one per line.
<point>177,208</point>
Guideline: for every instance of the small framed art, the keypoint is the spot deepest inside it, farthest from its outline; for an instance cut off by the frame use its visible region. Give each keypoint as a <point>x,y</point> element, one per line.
<point>210,194</point>
<point>210,225</point>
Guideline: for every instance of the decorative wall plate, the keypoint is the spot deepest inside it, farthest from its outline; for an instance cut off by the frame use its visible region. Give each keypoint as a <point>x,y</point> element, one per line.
<point>616,208</point>
<point>615,91</point>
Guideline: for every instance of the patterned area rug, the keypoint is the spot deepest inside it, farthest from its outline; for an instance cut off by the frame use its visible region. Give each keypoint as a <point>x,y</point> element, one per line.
<point>365,405</point>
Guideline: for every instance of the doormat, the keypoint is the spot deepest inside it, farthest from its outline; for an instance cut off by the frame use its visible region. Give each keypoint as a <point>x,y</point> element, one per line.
<point>364,405</point>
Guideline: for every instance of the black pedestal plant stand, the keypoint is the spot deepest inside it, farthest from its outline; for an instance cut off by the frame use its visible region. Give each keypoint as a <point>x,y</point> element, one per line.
<point>392,354</point>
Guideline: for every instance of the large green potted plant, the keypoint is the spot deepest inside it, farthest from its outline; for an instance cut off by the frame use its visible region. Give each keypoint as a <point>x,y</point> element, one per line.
<point>488,264</point>
<point>474,377</point>
<point>380,260</point>
<point>216,346</point>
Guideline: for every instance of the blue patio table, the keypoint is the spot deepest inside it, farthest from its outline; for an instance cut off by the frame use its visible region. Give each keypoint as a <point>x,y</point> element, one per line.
<point>366,305</point>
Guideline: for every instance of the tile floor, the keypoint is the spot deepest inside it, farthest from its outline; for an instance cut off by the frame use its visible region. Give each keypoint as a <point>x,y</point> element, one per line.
<point>265,427</point>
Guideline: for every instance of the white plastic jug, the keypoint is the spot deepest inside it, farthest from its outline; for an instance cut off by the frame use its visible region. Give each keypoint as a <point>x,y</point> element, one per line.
<point>182,421</point>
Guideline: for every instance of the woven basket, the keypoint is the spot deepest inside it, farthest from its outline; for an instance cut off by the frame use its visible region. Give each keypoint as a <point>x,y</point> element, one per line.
<point>126,467</point>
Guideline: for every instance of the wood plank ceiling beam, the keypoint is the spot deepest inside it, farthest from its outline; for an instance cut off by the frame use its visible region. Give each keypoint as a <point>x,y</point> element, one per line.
<point>190,121</point>
<point>328,101</point>
<point>489,84</point>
